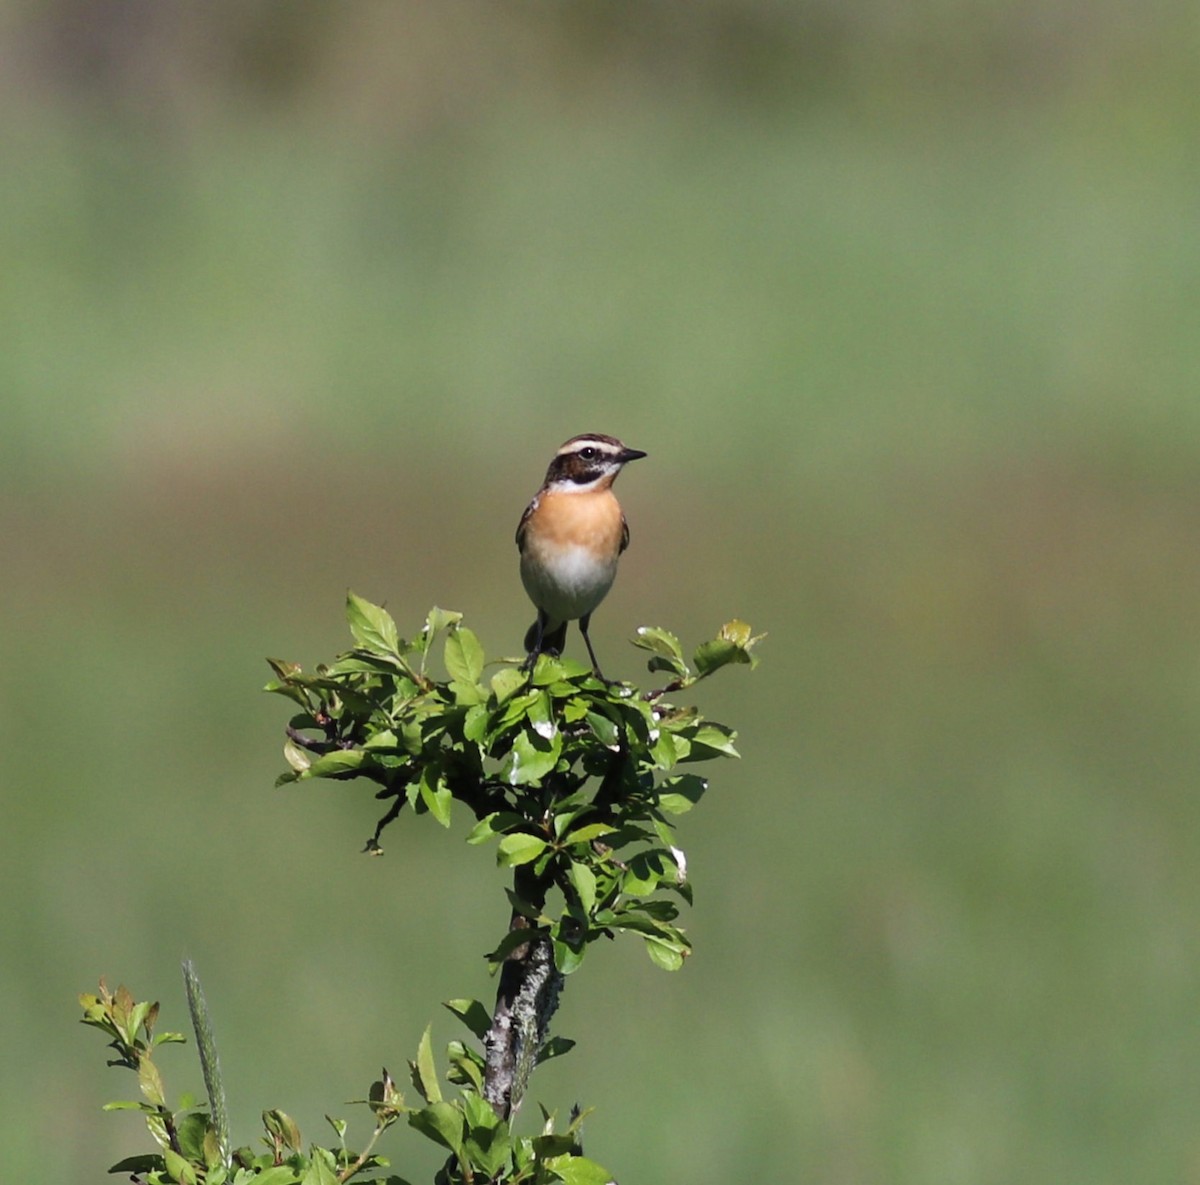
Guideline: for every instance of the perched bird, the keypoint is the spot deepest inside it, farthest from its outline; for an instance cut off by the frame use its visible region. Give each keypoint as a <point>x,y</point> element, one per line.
<point>570,538</point>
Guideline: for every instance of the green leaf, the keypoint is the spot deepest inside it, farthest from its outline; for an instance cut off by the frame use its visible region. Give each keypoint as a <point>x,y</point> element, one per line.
<point>637,921</point>
<point>541,716</point>
<point>372,627</point>
<point>578,1170</point>
<point>138,1164</point>
<point>665,832</point>
<point>711,656</point>
<point>641,877</point>
<point>436,794</point>
<point>565,816</point>
<point>190,1132</point>
<point>488,1144</point>
<point>732,645</point>
<point>278,1174</point>
<point>489,1151</point>
<point>178,1168</point>
<point>555,1047</point>
<point>515,711</point>
<point>605,730</point>
<point>574,709</point>
<point>283,669</point>
<point>738,632</point>
<point>215,1170</point>
<point>660,910</point>
<point>295,694</point>
<point>424,1070</point>
<point>523,1158</point>
<point>466,1066</point>
<point>139,1014</point>
<point>475,724</point>
<point>531,758</point>
<point>525,908</point>
<point>340,761</point>
<point>383,741</point>
<point>410,737</point>
<point>680,794</point>
<point>716,738</point>
<point>479,1113</point>
<point>583,881</point>
<point>442,1123</point>
<point>463,655</point>
<point>519,848</point>
<point>492,825</point>
<point>663,953</point>
<point>588,832</point>
<point>664,750</point>
<point>506,681</point>
<point>551,1143</point>
<point>282,1128</point>
<point>473,1014</point>
<point>438,620</point>
<point>664,645</point>
<point>151,1083</point>
<point>322,1169</point>
<point>626,834</point>
<point>567,957</point>
<point>549,670</point>
<point>466,694</point>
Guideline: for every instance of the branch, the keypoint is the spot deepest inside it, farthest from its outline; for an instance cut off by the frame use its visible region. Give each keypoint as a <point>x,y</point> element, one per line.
<point>309,743</point>
<point>526,999</point>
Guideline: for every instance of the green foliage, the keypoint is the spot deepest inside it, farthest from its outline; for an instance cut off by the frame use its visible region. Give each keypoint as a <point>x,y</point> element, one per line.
<point>574,777</point>
<point>190,1143</point>
<point>482,1145</point>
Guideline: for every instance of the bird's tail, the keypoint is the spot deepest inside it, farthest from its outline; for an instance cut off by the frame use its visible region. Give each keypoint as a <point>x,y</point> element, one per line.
<point>553,640</point>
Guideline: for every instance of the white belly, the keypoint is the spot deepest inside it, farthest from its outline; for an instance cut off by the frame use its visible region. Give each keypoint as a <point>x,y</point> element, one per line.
<point>566,582</point>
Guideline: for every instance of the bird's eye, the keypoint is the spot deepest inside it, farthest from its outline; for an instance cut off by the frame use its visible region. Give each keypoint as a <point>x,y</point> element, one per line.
<point>588,454</point>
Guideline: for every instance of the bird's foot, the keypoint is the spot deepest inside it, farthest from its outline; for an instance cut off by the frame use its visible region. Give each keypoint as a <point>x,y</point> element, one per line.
<point>532,657</point>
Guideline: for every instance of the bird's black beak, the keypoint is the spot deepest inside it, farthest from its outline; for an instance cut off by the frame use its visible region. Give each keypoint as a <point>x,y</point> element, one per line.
<point>630,454</point>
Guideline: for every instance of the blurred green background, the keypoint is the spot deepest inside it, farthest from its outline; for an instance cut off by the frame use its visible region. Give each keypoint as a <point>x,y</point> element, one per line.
<point>901,300</point>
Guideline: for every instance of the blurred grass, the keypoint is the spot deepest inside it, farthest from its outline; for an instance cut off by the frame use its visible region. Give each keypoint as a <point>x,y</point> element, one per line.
<point>913,360</point>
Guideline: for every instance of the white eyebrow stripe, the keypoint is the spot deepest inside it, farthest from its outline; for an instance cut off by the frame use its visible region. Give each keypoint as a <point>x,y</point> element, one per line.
<point>577,446</point>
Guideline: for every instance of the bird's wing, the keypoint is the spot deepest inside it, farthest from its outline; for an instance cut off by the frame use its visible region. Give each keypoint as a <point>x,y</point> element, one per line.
<point>624,534</point>
<point>524,522</point>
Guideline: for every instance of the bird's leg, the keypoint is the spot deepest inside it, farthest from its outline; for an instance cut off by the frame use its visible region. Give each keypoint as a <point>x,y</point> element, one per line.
<point>538,631</point>
<point>583,629</point>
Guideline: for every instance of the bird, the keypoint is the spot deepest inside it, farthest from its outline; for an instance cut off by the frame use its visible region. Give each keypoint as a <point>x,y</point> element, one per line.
<point>570,538</point>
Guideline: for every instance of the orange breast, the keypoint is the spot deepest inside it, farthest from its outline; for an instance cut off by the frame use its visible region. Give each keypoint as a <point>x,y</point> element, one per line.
<point>590,520</point>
